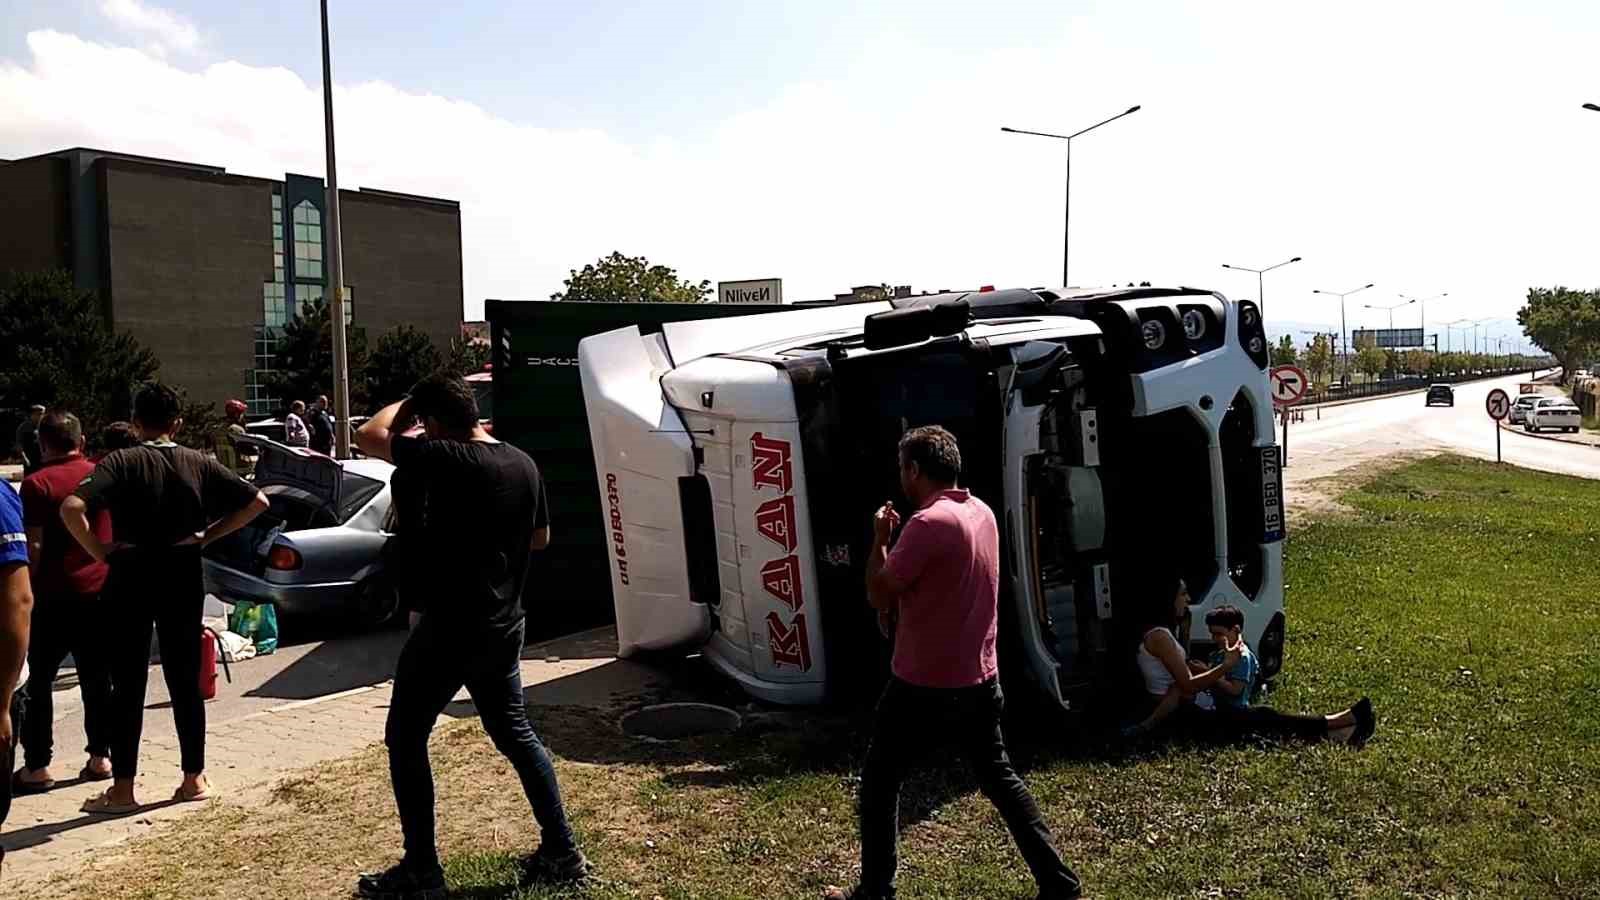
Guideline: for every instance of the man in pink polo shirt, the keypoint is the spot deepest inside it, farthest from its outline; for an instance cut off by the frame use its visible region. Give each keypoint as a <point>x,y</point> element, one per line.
<point>939,587</point>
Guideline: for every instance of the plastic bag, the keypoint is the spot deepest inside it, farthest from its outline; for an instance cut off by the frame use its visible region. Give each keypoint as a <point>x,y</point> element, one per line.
<point>258,622</point>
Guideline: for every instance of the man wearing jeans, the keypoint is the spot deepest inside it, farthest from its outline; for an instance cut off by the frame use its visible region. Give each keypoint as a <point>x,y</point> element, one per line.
<point>939,587</point>
<point>484,513</point>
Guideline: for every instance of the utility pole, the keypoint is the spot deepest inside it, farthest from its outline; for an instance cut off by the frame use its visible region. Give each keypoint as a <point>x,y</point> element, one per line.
<point>341,361</point>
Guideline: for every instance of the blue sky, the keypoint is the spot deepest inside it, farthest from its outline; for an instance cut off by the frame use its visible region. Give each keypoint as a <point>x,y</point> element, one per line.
<point>1425,146</point>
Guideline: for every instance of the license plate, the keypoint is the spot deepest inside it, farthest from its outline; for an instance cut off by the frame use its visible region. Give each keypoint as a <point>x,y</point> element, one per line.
<point>1271,496</point>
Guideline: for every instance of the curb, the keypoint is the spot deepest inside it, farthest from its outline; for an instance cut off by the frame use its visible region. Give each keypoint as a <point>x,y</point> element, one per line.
<point>1562,438</point>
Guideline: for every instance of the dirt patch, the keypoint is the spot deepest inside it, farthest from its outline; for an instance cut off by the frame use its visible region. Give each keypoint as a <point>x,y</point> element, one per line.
<point>1319,498</point>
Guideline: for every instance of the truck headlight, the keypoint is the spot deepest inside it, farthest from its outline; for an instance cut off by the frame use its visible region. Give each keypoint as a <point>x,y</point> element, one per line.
<point>1194,324</point>
<point>1154,334</point>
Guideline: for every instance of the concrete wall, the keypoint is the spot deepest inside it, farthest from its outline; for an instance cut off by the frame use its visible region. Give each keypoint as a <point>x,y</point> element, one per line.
<point>187,254</point>
<point>35,231</point>
<point>402,260</point>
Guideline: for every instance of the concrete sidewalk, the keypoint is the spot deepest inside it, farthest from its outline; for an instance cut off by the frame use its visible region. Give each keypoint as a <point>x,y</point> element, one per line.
<point>48,836</point>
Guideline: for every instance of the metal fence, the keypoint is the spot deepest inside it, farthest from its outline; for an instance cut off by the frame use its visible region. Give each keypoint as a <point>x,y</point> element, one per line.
<point>1333,393</point>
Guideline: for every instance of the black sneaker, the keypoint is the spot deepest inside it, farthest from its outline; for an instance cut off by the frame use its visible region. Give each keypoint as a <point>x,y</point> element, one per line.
<point>402,882</point>
<point>544,867</point>
<point>1366,723</point>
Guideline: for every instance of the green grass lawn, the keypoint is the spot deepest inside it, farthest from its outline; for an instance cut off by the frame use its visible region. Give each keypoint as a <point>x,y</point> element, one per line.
<point>1464,598</point>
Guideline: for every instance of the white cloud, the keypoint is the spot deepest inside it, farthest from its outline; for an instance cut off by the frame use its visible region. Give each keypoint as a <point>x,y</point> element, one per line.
<point>1459,165</point>
<point>162,28</point>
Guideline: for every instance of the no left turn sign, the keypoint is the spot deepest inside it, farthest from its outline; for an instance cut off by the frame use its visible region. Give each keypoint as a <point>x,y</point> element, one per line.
<point>1289,385</point>
<point>1498,404</point>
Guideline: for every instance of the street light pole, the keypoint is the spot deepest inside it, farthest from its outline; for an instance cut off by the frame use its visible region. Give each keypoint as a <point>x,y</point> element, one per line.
<point>1344,332</point>
<point>1066,228</point>
<point>341,361</point>
<point>1390,309</point>
<point>1423,302</point>
<point>1261,299</point>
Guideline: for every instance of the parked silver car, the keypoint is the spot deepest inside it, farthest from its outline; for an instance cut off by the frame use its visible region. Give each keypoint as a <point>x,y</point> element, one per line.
<point>318,550</point>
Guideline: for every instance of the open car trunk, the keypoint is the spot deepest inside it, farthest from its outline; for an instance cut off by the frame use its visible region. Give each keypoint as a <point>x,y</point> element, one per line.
<point>306,490</point>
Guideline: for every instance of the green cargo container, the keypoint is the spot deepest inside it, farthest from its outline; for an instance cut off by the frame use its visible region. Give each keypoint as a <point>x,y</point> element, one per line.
<point>538,406</point>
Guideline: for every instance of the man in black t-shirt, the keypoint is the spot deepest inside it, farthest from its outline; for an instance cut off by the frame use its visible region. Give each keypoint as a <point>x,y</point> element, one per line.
<point>167,503</point>
<point>484,515</point>
<point>321,426</point>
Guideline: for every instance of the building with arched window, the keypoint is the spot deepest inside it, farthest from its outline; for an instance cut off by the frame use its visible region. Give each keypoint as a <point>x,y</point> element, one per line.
<point>205,267</point>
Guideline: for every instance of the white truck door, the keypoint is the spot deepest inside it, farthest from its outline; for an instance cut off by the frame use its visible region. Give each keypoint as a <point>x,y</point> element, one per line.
<point>641,450</point>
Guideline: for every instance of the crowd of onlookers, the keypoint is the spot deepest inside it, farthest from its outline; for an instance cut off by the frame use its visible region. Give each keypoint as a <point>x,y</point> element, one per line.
<point>116,539</point>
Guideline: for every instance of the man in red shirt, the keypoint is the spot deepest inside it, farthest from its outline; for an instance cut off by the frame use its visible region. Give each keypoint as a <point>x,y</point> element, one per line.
<point>939,588</point>
<point>66,586</point>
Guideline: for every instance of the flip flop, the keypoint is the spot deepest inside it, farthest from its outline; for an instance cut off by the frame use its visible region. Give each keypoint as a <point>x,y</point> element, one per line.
<point>103,805</point>
<point>88,774</point>
<point>21,787</point>
<point>179,796</point>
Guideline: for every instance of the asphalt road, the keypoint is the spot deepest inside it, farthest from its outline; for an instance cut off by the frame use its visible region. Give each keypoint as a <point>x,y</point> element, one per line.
<point>1356,433</point>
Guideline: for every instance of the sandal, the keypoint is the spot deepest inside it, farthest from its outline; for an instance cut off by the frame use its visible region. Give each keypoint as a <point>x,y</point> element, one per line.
<point>178,796</point>
<point>21,787</point>
<point>88,774</point>
<point>102,804</point>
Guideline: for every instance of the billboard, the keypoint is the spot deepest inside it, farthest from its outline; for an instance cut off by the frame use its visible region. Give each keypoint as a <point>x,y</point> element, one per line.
<point>760,290</point>
<point>1387,338</point>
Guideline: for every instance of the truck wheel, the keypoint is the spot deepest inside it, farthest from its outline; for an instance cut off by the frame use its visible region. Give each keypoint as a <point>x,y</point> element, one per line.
<point>374,604</point>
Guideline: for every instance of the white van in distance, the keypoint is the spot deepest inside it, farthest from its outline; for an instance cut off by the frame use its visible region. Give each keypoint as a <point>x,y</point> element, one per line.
<point>1111,431</point>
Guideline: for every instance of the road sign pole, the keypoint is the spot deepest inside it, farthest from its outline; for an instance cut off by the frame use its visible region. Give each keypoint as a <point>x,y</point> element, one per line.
<point>1285,413</point>
<point>1497,442</point>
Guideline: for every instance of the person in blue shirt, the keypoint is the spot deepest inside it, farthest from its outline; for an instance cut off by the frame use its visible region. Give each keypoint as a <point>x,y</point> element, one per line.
<point>16,612</point>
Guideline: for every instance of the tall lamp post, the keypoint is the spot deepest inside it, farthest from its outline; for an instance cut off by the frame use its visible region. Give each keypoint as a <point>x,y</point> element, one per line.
<point>1423,304</point>
<point>1066,228</point>
<point>1260,299</point>
<point>341,361</point>
<point>1344,339</point>
<point>1389,309</point>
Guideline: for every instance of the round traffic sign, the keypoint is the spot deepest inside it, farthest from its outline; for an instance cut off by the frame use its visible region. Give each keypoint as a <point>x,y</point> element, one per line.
<point>1498,405</point>
<point>1289,385</point>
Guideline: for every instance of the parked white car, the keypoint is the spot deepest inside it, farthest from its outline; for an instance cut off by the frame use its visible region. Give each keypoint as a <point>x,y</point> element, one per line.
<point>1553,412</point>
<point>1519,409</point>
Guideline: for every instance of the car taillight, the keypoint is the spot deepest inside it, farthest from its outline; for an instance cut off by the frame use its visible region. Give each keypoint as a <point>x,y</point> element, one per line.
<point>284,559</point>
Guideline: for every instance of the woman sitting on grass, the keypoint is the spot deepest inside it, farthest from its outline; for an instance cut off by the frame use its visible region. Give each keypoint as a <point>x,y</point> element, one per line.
<point>1213,700</point>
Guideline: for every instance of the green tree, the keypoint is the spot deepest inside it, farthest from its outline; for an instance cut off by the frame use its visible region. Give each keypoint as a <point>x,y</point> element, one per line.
<point>56,348</point>
<point>402,357</point>
<point>466,357</point>
<point>303,361</point>
<point>1564,322</point>
<point>1371,360</point>
<point>203,427</point>
<point>630,279</point>
<point>1284,353</point>
<point>1319,358</point>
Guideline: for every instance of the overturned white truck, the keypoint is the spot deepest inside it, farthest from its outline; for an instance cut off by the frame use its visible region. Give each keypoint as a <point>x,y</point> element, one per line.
<point>1112,431</point>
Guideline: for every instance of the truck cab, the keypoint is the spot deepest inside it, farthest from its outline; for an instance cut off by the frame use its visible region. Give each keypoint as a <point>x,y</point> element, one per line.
<point>1112,432</point>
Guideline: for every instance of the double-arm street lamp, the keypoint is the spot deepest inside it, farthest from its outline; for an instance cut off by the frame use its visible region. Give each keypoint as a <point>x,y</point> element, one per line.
<point>1344,334</point>
<point>1422,302</point>
<point>1066,229</point>
<point>1261,300</point>
<point>1389,309</point>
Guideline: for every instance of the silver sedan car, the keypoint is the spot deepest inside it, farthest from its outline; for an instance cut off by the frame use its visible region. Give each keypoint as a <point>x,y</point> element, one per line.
<point>318,550</point>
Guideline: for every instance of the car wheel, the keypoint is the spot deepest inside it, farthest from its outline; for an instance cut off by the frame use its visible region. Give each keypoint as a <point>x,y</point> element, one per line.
<point>375,603</point>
